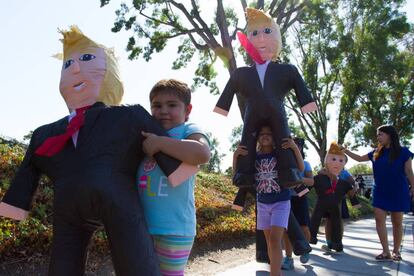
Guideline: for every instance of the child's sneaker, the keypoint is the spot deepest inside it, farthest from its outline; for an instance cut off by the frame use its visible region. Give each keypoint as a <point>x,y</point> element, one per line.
<point>337,248</point>
<point>337,252</point>
<point>287,263</point>
<point>330,250</point>
<point>304,258</point>
<point>313,240</point>
<point>326,248</point>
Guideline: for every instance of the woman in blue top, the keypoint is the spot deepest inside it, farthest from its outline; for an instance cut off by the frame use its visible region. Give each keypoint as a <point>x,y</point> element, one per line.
<point>392,168</point>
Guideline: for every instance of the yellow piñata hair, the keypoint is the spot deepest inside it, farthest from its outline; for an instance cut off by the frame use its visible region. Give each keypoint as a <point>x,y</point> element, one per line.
<point>257,19</point>
<point>112,88</point>
<point>335,149</point>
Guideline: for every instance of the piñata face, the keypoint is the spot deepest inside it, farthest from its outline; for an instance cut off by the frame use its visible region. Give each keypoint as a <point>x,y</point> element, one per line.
<point>82,76</point>
<point>264,39</point>
<point>335,163</point>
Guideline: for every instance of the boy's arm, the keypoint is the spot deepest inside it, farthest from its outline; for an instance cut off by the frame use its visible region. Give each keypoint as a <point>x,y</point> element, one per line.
<point>308,179</point>
<point>353,188</point>
<point>175,170</point>
<point>193,150</point>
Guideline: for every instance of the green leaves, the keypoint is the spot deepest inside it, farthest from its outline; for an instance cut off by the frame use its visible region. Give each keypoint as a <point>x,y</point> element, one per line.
<point>356,55</point>
<point>156,22</point>
<point>374,75</point>
<point>206,73</point>
<point>186,52</point>
<point>32,235</point>
<point>213,165</point>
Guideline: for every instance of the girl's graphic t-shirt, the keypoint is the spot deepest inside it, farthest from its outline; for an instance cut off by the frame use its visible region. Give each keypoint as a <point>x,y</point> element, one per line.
<point>168,210</point>
<point>266,178</point>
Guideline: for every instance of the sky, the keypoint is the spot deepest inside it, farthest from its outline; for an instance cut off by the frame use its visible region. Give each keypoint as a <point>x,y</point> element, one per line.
<point>29,76</point>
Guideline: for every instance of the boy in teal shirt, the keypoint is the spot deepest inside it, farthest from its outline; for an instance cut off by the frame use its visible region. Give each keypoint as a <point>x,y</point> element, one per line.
<point>170,211</point>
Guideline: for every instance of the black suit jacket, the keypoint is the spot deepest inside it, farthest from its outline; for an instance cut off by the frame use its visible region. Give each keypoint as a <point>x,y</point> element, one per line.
<point>323,183</point>
<point>106,157</point>
<point>267,101</point>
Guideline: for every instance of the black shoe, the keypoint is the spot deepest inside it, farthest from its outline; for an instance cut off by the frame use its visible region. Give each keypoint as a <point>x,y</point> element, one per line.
<point>301,247</point>
<point>243,180</point>
<point>337,246</point>
<point>313,240</point>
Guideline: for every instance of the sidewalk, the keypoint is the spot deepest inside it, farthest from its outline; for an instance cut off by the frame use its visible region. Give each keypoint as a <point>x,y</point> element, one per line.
<point>361,245</point>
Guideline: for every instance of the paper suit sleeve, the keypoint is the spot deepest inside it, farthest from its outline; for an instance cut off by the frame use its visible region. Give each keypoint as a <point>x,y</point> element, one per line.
<point>302,93</point>
<point>226,98</point>
<point>19,196</point>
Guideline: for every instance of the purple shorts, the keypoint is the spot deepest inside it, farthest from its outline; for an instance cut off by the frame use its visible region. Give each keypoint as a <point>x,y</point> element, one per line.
<point>274,214</point>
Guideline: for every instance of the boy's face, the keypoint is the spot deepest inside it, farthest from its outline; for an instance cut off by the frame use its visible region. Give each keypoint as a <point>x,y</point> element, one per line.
<point>169,110</point>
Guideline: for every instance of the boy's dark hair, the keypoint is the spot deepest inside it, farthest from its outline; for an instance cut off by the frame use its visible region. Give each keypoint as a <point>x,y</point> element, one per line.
<point>174,87</point>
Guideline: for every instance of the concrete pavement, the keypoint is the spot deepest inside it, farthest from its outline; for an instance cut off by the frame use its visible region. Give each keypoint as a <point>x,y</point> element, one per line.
<point>361,245</point>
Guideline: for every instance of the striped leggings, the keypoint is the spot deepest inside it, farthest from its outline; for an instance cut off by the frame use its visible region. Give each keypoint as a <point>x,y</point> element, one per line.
<point>173,253</point>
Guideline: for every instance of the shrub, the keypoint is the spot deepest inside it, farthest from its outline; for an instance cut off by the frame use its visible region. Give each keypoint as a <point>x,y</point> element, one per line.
<point>214,194</point>
<point>19,239</point>
<point>216,221</point>
<point>354,213</point>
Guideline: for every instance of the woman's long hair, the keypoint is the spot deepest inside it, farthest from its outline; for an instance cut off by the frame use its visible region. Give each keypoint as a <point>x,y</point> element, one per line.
<point>395,146</point>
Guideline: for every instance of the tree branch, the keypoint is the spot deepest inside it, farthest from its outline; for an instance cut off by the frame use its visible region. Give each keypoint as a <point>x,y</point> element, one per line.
<point>196,44</point>
<point>169,23</point>
<point>211,39</point>
<point>223,26</point>
<point>204,33</point>
<point>244,5</point>
<point>260,5</point>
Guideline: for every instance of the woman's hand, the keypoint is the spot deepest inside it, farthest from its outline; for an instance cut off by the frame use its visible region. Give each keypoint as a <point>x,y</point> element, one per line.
<point>343,148</point>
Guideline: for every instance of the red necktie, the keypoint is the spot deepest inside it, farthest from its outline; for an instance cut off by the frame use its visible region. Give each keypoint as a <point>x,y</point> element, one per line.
<point>250,49</point>
<point>55,144</point>
<point>332,189</point>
